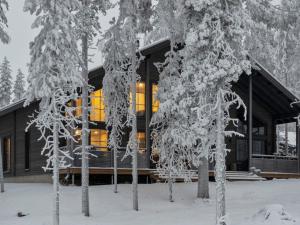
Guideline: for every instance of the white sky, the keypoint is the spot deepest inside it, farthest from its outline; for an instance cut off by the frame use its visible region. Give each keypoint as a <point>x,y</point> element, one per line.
<point>17,51</point>
<point>21,34</point>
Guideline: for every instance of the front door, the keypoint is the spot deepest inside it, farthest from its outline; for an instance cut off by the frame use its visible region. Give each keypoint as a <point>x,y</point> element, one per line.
<point>242,154</point>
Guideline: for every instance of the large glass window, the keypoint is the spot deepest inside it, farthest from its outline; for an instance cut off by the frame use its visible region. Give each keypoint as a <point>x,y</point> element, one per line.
<point>99,139</point>
<point>78,104</point>
<point>155,102</point>
<point>27,149</point>
<point>6,153</point>
<point>141,137</point>
<point>140,97</point>
<point>97,105</point>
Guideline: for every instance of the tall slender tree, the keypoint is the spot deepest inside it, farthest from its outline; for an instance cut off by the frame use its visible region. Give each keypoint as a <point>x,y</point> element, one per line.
<point>19,86</point>
<point>169,127</point>
<point>54,80</point>
<point>217,29</point>
<point>116,90</point>
<point>6,83</point>
<point>88,27</point>
<point>4,38</point>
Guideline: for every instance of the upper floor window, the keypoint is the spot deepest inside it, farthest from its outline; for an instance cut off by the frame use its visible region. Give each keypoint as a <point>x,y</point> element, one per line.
<point>155,102</point>
<point>97,105</point>
<point>140,97</point>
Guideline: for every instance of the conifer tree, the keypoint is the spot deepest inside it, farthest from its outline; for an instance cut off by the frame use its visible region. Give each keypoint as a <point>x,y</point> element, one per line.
<point>19,86</point>
<point>5,83</point>
<point>4,38</point>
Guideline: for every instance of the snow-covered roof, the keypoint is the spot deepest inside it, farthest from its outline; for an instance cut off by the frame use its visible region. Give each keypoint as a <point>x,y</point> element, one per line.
<point>12,104</point>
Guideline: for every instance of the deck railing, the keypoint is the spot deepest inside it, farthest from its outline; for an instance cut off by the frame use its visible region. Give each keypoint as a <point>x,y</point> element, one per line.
<point>105,158</point>
<point>276,163</point>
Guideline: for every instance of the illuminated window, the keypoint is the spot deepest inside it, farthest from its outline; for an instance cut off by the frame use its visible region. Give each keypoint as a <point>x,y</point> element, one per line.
<point>140,97</point>
<point>155,102</point>
<point>78,111</point>
<point>97,104</point>
<point>6,157</point>
<point>77,136</point>
<point>99,139</point>
<point>141,137</point>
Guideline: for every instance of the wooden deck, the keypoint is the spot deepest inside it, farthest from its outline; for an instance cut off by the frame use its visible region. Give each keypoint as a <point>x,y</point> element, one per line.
<point>278,175</point>
<point>107,171</point>
<point>151,172</point>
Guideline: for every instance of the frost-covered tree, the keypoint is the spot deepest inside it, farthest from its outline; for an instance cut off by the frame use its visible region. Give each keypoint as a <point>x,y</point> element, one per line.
<point>115,90</point>
<point>133,22</point>
<point>88,27</point>
<point>213,58</point>
<point>5,83</point>
<point>54,80</point>
<point>3,22</point>
<point>170,129</point>
<point>19,86</point>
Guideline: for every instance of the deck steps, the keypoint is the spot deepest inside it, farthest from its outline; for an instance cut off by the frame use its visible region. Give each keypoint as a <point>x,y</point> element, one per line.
<point>243,176</point>
<point>230,176</point>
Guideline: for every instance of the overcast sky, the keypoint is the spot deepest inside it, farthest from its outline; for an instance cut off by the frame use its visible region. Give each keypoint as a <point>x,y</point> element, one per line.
<point>19,22</point>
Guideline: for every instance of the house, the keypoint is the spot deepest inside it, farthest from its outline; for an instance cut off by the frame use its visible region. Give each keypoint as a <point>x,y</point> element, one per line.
<point>269,105</point>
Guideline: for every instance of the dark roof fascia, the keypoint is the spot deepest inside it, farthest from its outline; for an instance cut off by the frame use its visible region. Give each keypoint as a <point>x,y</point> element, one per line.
<point>12,107</point>
<point>274,81</point>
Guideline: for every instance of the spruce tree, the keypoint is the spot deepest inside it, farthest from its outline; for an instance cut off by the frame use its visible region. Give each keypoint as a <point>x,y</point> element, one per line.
<point>5,83</point>
<point>19,86</point>
<point>4,38</point>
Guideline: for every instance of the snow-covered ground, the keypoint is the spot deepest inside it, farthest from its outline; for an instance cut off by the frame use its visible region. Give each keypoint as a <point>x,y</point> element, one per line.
<point>248,203</point>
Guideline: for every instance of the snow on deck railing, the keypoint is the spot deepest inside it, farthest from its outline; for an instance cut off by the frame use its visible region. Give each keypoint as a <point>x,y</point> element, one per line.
<point>274,157</point>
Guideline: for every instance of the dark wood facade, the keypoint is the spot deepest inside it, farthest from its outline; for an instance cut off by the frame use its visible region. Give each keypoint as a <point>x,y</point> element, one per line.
<point>268,102</point>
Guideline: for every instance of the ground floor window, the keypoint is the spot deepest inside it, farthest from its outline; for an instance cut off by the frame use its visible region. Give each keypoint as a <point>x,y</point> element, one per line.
<point>6,153</point>
<point>99,139</point>
<point>141,137</point>
<point>286,139</point>
<point>155,101</point>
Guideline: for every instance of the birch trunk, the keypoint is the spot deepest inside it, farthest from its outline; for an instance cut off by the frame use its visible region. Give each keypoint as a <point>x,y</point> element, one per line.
<point>203,179</point>
<point>55,175</point>
<point>170,183</point>
<point>85,127</point>
<point>1,167</point>
<point>134,132</point>
<point>220,171</point>
<point>115,171</point>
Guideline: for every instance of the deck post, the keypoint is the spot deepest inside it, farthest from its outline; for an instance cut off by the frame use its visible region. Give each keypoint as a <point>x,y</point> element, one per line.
<point>250,120</point>
<point>148,111</point>
<point>1,168</point>
<point>298,144</point>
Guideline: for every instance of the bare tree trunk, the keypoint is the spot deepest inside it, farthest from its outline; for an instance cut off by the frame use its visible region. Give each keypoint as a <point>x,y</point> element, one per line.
<point>55,175</point>
<point>1,167</point>
<point>85,127</point>
<point>170,183</point>
<point>203,179</point>
<point>115,171</point>
<point>220,170</point>
<point>134,132</point>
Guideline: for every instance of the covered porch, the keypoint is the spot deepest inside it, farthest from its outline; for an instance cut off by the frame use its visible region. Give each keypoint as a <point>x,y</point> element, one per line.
<point>270,119</point>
